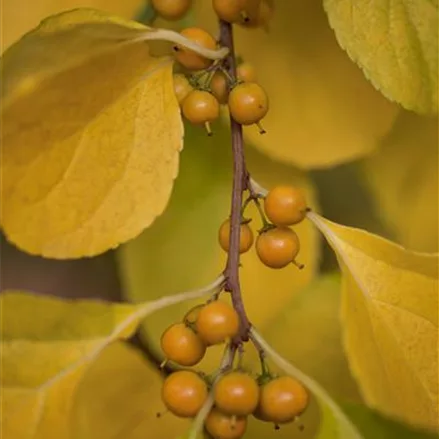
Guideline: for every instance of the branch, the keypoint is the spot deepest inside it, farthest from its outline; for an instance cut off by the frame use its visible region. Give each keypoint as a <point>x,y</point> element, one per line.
<point>239,185</point>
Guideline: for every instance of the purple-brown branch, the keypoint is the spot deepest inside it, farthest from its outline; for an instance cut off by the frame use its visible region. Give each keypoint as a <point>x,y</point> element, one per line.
<point>240,178</point>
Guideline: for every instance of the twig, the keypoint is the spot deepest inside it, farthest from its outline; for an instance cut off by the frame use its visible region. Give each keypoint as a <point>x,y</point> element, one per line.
<point>239,185</point>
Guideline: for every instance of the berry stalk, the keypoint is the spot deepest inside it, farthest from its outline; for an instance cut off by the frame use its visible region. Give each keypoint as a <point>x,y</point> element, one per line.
<point>239,185</point>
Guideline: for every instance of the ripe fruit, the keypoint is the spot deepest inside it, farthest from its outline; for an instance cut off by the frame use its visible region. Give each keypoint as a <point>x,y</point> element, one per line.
<point>221,426</point>
<point>282,399</point>
<point>248,103</point>
<point>188,58</point>
<point>246,72</point>
<point>285,205</point>
<point>232,11</point>
<point>181,87</point>
<point>277,247</point>
<point>216,322</point>
<point>236,394</point>
<point>200,108</point>
<point>220,87</point>
<point>171,9</point>
<point>184,393</point>
<point>182,345</point>
<point>246,237</point>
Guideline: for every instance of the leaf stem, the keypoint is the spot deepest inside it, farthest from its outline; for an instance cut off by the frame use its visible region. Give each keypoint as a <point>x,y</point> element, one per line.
<point>239,185</point>
<point>226,364</point>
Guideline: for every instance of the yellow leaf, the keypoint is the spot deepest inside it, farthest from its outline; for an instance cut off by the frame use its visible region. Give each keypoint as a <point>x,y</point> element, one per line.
<point>396,45</point>
<point>90,138</point>
<point>403,177</point>
<point>323,111</point>
<point>184,241</point>
<point>389,308</point>
<point>47,344</point>
<point>19,16</point>
<point>119,398</point>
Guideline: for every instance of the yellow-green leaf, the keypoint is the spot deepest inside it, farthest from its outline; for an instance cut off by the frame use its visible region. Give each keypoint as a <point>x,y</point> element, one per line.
<point>396,45</point>
<point>323,111</point>
<point>119,398</point>
<point>15,23</point>
<point>47,344</point>
<point>91,134</point>
<point>389,309</point>
<point>403,178</point>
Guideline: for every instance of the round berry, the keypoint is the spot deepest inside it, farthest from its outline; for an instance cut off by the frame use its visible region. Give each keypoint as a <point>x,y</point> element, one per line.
<point>200,108</point>
<point>281,400</point>
<point>182,345</point>
<point>236,394</point>
<point>190,59</point>
<point>216,322</point>
<point>171,9</point>
<point>246,72</point>
<point>248,103</point>
<point>220,87</point>
<point>285,205</point>
<point>182,87</point>
<point>277,247</point>
<point>232,11</point>
<point>246,237</point>
<point>184,393</point>
<point>221,426</point>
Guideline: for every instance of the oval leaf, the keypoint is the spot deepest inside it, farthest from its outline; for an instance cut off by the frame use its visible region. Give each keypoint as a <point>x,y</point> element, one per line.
<point>47,345</point>
<point>396,45</point>
<point>389,309</point>
<point>91,135</point>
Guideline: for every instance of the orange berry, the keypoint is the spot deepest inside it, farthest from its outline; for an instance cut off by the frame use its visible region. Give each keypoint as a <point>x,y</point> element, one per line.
<point>221,426</point>
<point>246,72</point>
<point>182,87</point>
<point>171,9</point>
<point>281,400</point>
<point>182,345</point>
<point>188,58</point>
<point>200,108</point>
<point>232,11</point>
<point>220,87</point>
<point>184,393</point>
<point>285,205</point>
<point>246,237</point>
<point>236,393</point>
<point>248,103</point>
<point>278,247</point>
<point>216,322</point>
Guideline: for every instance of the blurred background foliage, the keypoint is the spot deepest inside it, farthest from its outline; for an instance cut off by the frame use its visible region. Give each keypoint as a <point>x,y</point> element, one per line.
<point>362,160</point>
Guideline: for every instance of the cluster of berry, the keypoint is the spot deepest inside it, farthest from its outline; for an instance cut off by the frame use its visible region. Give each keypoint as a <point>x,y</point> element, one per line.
<point>248,13</point>
<point>277,245</point>
<point>201,95</point>
<point>236,394</point>
<point>207,85</point>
